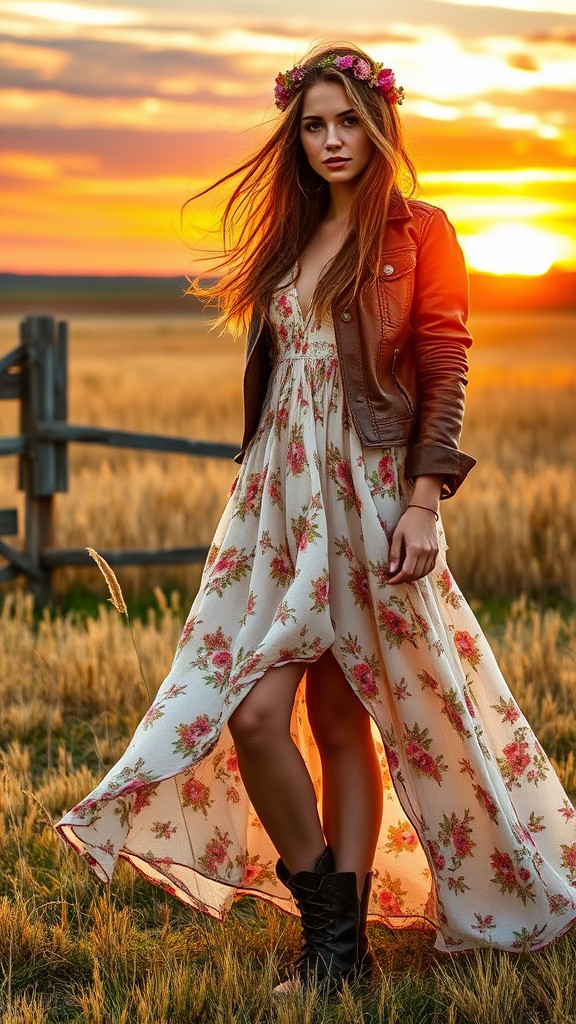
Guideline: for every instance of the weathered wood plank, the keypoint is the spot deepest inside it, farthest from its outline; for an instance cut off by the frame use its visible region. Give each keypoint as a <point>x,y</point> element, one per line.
<point>52,430</point>
<point>8,522</point>
<point>13,446</point>
<point>10,386</point>
<point>20,561</point>
<point>9,573</point>
<point>61,402</point>
<point>12,358</point>
<point>55,557</point>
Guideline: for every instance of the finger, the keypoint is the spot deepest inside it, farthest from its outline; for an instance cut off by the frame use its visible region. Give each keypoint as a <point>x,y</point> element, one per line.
<point>396,549</point>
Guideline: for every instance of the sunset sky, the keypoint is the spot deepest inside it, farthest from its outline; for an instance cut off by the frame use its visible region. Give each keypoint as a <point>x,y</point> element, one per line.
<point>113,113</point>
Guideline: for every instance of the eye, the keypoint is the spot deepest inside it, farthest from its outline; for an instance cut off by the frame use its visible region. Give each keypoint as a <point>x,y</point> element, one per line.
<point>350,120</point>
<point>313,126</point>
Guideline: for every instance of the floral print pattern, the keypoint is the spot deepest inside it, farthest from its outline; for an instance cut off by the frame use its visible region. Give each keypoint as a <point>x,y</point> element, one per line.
<point>478,838</point>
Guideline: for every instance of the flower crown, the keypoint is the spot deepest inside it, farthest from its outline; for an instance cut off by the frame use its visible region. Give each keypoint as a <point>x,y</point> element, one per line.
<point>373,73</point>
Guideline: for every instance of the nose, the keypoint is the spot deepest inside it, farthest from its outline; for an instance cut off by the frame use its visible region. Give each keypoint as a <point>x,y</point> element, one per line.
<point>333,140</point>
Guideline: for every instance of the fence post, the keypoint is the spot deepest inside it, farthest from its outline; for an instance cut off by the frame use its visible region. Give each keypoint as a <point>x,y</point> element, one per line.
<point>43,469</point>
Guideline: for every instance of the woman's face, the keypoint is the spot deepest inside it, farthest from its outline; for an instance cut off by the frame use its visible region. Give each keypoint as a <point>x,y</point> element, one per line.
<point>334,139</point>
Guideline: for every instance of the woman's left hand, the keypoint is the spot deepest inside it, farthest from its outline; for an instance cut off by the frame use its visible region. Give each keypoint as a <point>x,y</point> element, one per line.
<point>414,547</point>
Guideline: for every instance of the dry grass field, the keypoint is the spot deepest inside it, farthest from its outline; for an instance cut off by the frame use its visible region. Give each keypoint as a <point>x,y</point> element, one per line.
<point>71,692</point>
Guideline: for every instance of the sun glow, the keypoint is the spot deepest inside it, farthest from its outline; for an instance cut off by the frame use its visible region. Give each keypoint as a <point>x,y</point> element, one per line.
<point>512,249</point>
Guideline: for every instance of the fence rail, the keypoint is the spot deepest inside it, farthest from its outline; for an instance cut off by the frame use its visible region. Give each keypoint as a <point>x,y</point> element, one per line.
<point>35,373</point>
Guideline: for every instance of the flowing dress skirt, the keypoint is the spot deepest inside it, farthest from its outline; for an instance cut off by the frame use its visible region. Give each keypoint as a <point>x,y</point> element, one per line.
<point>478,838</point>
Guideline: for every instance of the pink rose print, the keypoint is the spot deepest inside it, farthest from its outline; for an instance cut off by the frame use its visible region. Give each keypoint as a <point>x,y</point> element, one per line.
<point>467,647</point>
<point>489,804</point>
<point>445,583</point>
<point>508,879</point>
<point>386,471</point>
<point>364,679</point>
<point>392,758</point>
<point>319,593</point>
<point>438,859</point>
<point>232,764</point>
<point>517,757</point>
<point>190,734</point>
<point>389,903</point>
<point>417,743</point>
<point>396,628</point>
<point>358,584</point>
<point>296,455</point>
<point>196,794</point>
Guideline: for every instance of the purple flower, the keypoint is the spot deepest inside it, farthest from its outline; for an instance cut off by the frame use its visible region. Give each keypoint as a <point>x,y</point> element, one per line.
<point>297,75</point>
<point>344,63</point>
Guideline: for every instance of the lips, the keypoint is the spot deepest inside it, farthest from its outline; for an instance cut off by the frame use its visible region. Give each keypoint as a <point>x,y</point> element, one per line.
<point>336,161</point>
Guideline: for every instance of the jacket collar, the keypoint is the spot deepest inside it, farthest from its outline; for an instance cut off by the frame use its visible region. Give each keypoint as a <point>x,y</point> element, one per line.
<point>398,208</point>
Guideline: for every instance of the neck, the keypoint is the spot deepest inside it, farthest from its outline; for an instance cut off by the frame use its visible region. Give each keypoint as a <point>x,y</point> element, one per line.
<point>341,197</point>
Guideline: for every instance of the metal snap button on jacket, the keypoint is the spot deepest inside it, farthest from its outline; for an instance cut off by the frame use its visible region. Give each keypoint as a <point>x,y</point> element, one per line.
<point>387,269</point>
<point>346,316</point>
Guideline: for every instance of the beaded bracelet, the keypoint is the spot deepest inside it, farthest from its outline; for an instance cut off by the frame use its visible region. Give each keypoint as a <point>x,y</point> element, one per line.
<point>433,511</point>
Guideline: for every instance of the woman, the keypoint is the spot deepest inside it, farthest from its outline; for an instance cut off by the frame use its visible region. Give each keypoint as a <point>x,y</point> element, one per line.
<point>437,803</point>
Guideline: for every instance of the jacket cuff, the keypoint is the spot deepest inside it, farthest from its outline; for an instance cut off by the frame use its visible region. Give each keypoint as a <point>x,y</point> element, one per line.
<point>439,460</point>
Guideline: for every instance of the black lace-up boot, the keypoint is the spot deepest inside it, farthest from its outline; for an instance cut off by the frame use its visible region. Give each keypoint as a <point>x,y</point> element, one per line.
<point>332,948</point>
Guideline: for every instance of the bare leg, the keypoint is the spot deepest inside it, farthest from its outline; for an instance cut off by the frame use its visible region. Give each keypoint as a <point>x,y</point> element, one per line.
<point>273,771</point>
<point>351,779</point>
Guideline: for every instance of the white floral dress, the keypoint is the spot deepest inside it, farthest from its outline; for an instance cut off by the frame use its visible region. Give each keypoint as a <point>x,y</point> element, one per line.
<point>478,837</point>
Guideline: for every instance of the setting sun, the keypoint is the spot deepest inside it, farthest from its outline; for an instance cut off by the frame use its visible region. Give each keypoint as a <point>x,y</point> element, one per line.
<point>512,249</point>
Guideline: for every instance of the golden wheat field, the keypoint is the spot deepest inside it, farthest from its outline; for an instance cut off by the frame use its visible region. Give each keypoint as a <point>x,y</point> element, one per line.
<point>71,691</point>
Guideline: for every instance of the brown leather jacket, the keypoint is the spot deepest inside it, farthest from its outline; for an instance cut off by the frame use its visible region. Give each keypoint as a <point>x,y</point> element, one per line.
<point>402,351</point>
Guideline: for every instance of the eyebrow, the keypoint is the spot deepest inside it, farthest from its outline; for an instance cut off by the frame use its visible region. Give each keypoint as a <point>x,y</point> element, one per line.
<point>318,117</point>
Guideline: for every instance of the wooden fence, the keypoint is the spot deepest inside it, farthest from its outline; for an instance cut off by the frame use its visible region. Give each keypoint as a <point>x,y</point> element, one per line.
<point>35,373</point>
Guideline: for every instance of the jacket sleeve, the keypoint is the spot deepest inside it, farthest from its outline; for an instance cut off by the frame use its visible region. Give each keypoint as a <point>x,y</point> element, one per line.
<point>438,317</point>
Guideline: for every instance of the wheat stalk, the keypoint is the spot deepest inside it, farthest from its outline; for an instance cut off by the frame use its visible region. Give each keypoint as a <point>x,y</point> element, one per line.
<point>117,599</point>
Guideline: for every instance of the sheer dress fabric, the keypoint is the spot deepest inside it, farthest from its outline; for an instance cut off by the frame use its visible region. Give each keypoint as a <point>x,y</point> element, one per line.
<point>478,837</point>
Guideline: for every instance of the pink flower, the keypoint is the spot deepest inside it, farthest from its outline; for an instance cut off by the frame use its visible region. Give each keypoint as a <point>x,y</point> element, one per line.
<point>226,562</point>
<point>362,69</point>
<point>469,704</point>
<point>392,758</point>
<point>194,792</point>
<point>385,80</point>
<point>385,471</point>
<point>131,786</point>
<point>297,74</point>
<point>251,872</point>
<point>388,902</point>
<point>420,758</point>
<point>523,874</point>
<point>344,63</point>
<point>232,764</point>
<point>191,733</point>
<point>503,866</point>
<point>438,859</point>
<point>364,677</point>
<point>517,757</point>
<point>394,622</point>
<point>223,659</point>
<point>466,646</point>
<point>295,456</point>
<point>216,851</point>
<point>344,475</point>
<point>462,842</point>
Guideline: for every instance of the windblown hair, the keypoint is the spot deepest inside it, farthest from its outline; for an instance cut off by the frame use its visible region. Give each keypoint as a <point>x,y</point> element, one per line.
<point>279,201</point>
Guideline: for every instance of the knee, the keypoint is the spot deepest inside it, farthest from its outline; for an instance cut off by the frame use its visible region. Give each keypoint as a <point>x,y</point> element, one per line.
<point>252,725</point>
<point>334,728</point>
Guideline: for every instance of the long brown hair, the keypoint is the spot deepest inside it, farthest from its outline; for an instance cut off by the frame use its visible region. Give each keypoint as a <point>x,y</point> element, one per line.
<point>277,204</point>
